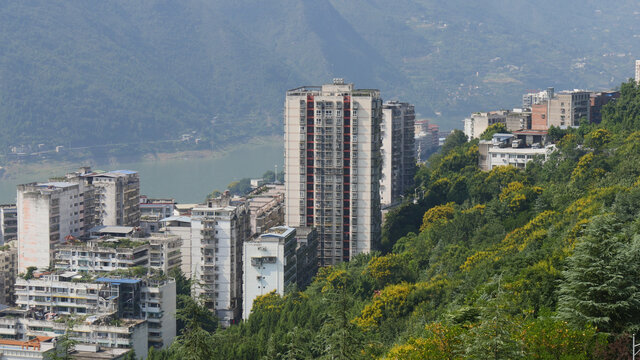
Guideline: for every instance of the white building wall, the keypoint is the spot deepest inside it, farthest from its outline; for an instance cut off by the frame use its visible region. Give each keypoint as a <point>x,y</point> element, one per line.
<point>260,279</point>
<point>386,186</point>
<point>36,232</point>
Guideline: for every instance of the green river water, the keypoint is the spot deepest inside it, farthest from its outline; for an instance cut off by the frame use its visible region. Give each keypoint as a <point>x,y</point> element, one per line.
<point>186,180</point>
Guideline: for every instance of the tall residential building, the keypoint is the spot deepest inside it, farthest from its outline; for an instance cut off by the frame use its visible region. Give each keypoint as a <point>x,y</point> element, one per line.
<point>333,165</point>
<point>211,250</point>
<point>637,72</point>
<point>47,213</point>
<point>8,223</point>
<point>8,267</point>
<point>117,197</point>
<point>398,153</point>
<point>567,108</point>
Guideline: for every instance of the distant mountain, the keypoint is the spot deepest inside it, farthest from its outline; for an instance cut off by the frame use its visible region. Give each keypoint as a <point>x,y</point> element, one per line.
<point>99,72</point>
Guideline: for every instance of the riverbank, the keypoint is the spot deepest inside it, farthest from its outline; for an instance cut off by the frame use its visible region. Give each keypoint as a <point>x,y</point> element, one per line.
<point>15,170</point>
<point>185,176</point>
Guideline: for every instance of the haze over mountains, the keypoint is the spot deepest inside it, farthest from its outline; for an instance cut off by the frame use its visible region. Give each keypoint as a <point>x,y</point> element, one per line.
<point>94,72</point>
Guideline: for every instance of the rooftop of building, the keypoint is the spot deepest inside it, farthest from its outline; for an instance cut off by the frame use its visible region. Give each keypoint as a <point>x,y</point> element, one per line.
<point>279,232</point>
<point>146,201</point>
<point>530,132</point>
<point>113,173</point>
<point>337,88</point>
<point>112,230</point>
<point>182,218</point>
<point>38,343</point>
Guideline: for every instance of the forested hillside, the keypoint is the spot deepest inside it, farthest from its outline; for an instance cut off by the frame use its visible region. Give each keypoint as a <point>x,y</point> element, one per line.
<point>81,73</point>
<point>540,263</point>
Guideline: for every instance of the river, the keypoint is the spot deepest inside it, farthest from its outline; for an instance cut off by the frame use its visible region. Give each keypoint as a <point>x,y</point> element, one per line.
<point>187,180</point>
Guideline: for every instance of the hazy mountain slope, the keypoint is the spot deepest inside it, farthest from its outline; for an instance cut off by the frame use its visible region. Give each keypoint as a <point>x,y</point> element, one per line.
<point>77,73</point>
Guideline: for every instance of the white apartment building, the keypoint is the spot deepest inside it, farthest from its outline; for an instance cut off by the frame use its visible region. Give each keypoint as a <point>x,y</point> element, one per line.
<point>398,152</point>
<point>637,78</point>
<point>99,333</point>
<point>8,269</point>
<point>159,252</point>
<point>164,252</point>
<point>269,263</point>
<point>102,256</point>
<point>73,294</point>
<point>478,122</point>
<point>180,226</point>
<point>504,150</point>
<point>212,240</point>
<point>47,213</point>
<point>8,223</point>
<point>536,98</point>
<point>333,165</point>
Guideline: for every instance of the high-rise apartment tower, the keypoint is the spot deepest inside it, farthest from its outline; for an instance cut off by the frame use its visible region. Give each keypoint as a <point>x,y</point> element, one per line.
<point>398,153</point>
<point>333,165</point>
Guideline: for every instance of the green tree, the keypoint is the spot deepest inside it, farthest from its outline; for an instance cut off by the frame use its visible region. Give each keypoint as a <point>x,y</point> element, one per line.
<point>339,338</point>
<point>600,283</point>
<point>193,314</point>
<point>455,139</point>
<point>65,344</point>
<point>494,336</point>
<point>183,285</point>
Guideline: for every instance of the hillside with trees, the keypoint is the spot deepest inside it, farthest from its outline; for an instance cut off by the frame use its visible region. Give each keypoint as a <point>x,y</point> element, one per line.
<point>540,263</point>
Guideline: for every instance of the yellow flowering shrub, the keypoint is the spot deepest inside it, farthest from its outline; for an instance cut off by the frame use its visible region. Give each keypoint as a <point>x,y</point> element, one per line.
<point>390,302</point>
<point>440,342</point>
<point>517,240</point>
<point>477,209</point>
<point>437,214</point>
<point>269,301</point>
<point>382,268</point>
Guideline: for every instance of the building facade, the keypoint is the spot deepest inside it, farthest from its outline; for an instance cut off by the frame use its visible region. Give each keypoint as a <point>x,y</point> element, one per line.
<point>8,269</point>
<point>505,149</point>
<point>154,210</point>
<point>567,108</point>
<point>269,264</point>
<point>398,151</point>
<point>47,213</point>
<point>211,251</point>
<point>8,223</point>
<point>266,206</point>
<point>597,101</point>
<point>75,294</point>
<point>98,333</point>
<point>333,167</point>
<point>117,197</point>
